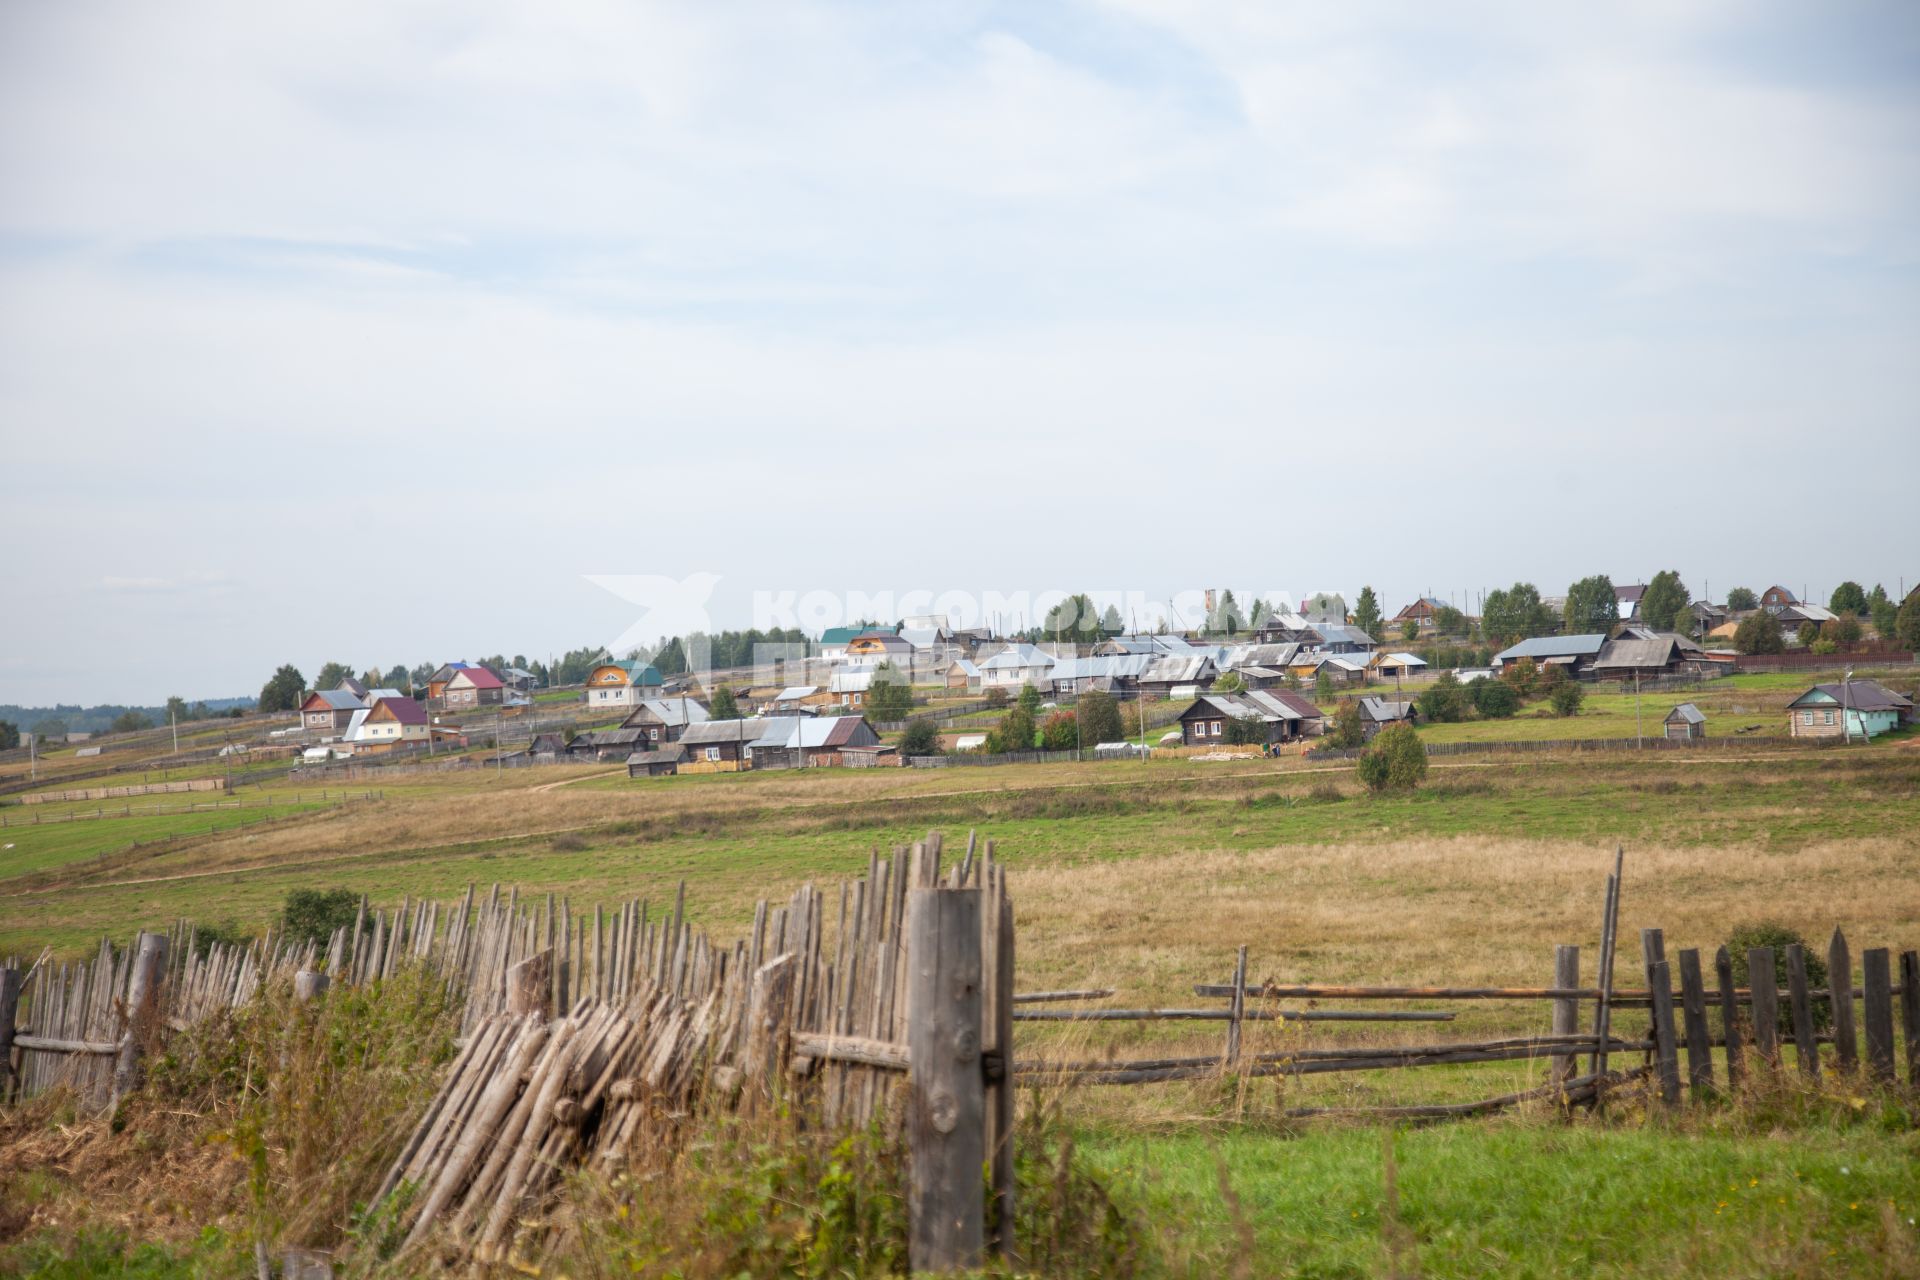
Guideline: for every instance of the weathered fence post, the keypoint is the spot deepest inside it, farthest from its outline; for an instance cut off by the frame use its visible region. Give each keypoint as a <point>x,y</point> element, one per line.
<point>307,984</point>
<point>143,1010</point>
<point>767,1001</point>
<point>1910,1011</point>
<point>1237,1007</point>
<point>1000,1100</point>
<point>1566,1009</point>
<point>530,985</point>
<point>946,1108</point>
<point>1876,972</point>
<point>1763,983</point>
<point>1846,1046</point>
<point>1653,948</point>
<point>10,980</point>
<point>1729,1014</point>
<point>1804,1046</point>
<point>1693,1015</point>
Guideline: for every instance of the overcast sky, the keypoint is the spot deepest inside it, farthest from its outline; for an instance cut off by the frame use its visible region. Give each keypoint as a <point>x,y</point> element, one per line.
<point>366,330</point>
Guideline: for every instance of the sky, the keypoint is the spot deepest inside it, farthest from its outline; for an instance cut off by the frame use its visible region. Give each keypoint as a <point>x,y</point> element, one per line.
<point>377,332</point>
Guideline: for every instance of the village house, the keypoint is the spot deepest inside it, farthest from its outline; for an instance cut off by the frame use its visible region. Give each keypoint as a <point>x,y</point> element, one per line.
<point>547,748</point>
<point>1848,709</point>
<point>879,646</point>
<point>833,641</point>
<point>1173,676</point>
<point>1286,716</point>
<point>519,679</point>
<point>1016,666</point>
<point>1378,713</point>
<point>606,744</point>
<point>622,684</point>
<point>963,673</point>
<point>1627,600</point>
<point>1685,721</point>
<point>1338,637</point>
<point>1777,597</point>
<point>663,720</point>
<point>394,720</point>
<point>1638,652</point>
<point>329,710</point>
<point>472,687</point>
<point>798,742</point>
<point>1574,654</point>
<point>1114,673</point>
<point>795,699</point>
<point>1397,666</point>
<point>437,682</point>
<point>720,741</point>
<point>848,687</point>
<point>1421,613</point>
<point>655,763</point>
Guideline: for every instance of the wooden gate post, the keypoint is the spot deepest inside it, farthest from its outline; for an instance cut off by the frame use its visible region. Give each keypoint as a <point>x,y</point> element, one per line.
<point>1876,971</point>
<point>1805,1048</point>
<point>1729,1014</point>
<point>307,984</point>
<point>10,980</point>
<point>946,1106</point>
<point>1566,1009</point>
<point>1653,947</point>
<point>1763,981</point>
<point>143,1010</point>
<point>1910,1012</point>
<point>1846,1044</point>
<point>1693,1017</point>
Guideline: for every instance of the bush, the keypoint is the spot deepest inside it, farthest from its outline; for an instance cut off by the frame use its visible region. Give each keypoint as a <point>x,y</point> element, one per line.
<point>311,915</point>
<point>1248,731</point>
<point>1100,718</point>
<point>922,738</point>
<point>1347,730</point>
<point>1014,734</point>
<point>1494,699</point>
<point>997,696</point>
<point>1444,700</point>
<point>1769,933</point>
<point>1395,760</point>
<point>1566,698</point>
<point>1521,676</point>
<point>1759,633</point>
<point>1061,732</point>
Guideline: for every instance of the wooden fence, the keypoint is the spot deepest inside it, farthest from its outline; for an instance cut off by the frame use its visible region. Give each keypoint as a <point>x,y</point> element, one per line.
<point>122,793</point>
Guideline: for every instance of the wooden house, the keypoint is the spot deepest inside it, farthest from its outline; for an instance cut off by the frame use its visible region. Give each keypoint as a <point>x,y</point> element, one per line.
<point>656,763</point>
<point>472,687</point>
<point>391,721</point>
<point>1378,713</point>
<point>622,684</point>
<point>329,710</point>
<point>1286,716</point>
<point>798,742</point>
<point>663,720</point>
<point>715,741</point>
<point>1686,721</point>
<point>963,674</point>
<point>437,682</point>
<point>1422,613</point>
<point>880,646</point>
<point>1575,654</point>
<point>1848,709</point>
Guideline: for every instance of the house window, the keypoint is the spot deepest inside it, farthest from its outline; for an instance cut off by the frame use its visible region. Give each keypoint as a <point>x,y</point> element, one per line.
<point>1806,717</point>
<point>713,753</point>
<point>1829,716</point>
<point>1213,728</point>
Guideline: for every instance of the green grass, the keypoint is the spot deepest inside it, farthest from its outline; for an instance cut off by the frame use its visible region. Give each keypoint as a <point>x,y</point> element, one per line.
<point>1531,1198</point>
<point>27,849</point>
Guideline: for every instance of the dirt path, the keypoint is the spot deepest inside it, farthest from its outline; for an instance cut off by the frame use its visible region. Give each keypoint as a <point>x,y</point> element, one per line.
<point>567,782</point>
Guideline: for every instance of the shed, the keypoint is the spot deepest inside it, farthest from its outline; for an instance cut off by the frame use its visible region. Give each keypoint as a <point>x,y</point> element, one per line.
<point>656,763</point>
<point>1686,721</point>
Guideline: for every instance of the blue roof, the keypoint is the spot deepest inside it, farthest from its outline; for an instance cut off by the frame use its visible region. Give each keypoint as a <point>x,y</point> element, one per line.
<point>1584,646</point>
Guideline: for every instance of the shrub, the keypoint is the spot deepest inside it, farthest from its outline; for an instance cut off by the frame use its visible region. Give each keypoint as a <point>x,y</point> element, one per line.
<point>997,696</point>
<point>1444,700</point>
<point>1247,731</point>
<point>1521,676</point>
<point>1759,633</point>
<point>922,738</point>
<point>1566,698</point>
<point>569,842</point>
<point>1347,730</point>
<point>1014,734</point>
<point>1061,732</point>
<point>1100,718</point>
<point>311,915</point>
<point>1770,933</point>
<point>1494,699</point>
<point>1395,760</point>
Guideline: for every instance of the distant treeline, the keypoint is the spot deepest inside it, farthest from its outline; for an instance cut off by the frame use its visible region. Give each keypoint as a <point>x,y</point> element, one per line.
<point>59,720</point>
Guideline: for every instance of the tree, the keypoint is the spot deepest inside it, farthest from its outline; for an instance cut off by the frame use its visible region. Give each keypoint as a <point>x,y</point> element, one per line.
<point>1348,730</point>
<point>725,705</point>
<point>1514,614</point>
<point>1741,599</point>
<point>1521,676</point>
<point>1410,630</point>
<point>312,915</point>
<point>130,721</point>
<point>1767,933</point>
<point>1100,718</point>
<point>1843,630</point>
<point>178,712</point>
<point>1322,685</point>
<point>1060,732</point>
<point>1443,700</point>
<point>9,735</point>
<point>1029,699</point>
<point>1494,699</point>
<point>1906,624</point>
<point>1366,614</point>
<point>1110,621</point>
<point>922,737</point>
<point>1076,618</point>
<point>889,697</point>
<point>1449,621</point>
<point>1015,732</point>
<point>1229,682</point>
<point>1883,611</point>
<point>51,727</point>
<point>1566,698</point>
<point>1848,598</point>
<point>332,674</point>
<point>1396,760</point>
<point>997,696</point>
<point>1245,731</point>
<point>1759,632</point>
<point>1663,605</point>
<point>1592,606</point>
<point>397,678</point>
<point>282,692</point>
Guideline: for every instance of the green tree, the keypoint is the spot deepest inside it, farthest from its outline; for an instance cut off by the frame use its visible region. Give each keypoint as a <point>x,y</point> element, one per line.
<point>889,697</point>
<point>1514,614</point>
<point>1076,618</point>
<point>1767,933</point>
<point>1100,718</point>
<point>9,735</point>
<point>1906,624</point>
<point>50,728</point>
<point>1494,699</point>
<point>178,712</point>
<point>1029,700</point>
<point>1759,632</point>
<point>130,721</point>
<point>1449,621</point>
<point>1443,700</point>
<point>1229,682</point>
<point>331,675</point>
<point>1592,606</point>
<point>1663,605</point>
<point>1366,614</point>
<point>1396,760</point>
<point>1848,598</point>
<point>1348,730</point>
<point>1843,630</point>
<point>922,738</point>
<point>397,678</point>
<point>283,690</point>
<point>725,705</point>
<point>1566,698</point>
<point>1521,675</point>
<point>1060,732</point>
<point>1015,732</point>
<point>1244,731</point>
<point>312,915</point>
<point>1883,612</point>
<point>1410,630</point>
<point>1110,621</point>
<point>1322,685</point>
<point>1741,599</point>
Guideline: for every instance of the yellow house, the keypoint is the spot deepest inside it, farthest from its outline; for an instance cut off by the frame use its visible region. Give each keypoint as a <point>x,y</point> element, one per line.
<point>622,684</point>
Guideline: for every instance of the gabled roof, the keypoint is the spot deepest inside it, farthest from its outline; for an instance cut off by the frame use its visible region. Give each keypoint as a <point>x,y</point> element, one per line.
<point>354,687</point>
<point>1860,695</point>
<point>1687,713</point>
<point>965,666</point>
<point>807,732</point>
<point>1173,669</point>
<point>636,672</point>
<point>403,709</point>
<point>1381,710</point>
<point>1628,655</point>
<point>713,731</point>
<point>1341,633</point>
<point>1016,656</point>
<point>1580,646</point>
<point>355,724</point>
<point>795,692</point>
<point>333,700</point>
<point>840,635</point>
<point>1630,594</point>
<point>476,678</point>
<point>851,680</point>
<point>1270,705</point>
<point>664,755</point>
<point>1400,659</point>
<point>1116,666</point>
<point>670,712</point>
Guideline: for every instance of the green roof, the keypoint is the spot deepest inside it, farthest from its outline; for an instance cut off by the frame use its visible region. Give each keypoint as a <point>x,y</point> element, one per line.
<point>840,635</point>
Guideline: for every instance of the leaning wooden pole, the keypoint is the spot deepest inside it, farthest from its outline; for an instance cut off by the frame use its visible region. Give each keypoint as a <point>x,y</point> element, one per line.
<point>143,1010</point>
<point>946,1109</point>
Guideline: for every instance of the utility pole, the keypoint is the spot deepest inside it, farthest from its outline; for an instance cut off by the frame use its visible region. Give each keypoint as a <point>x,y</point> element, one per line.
<point>1639,736</point>
<point>174,721</point>
<point>1846,719</point>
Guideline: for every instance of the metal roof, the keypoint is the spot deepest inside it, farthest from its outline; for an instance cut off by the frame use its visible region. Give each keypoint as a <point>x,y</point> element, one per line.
<point>806,732</point>
<point>672,711</point>
<point>336,699</point>
<point>1687,712</point>
<point>714,731</point>
<point>403,709</point>
<point>1178,670</point>
<point>1018,656</point>
<point>663,755</point>
<point>1860,695</point>
<point>1580,646</point>
<point>1341,633</point>
<point>1382,709</point>
<point>1118,666</point>
<point>1258,704</point>
<point>1629,655</point>
<point>851,680</point>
